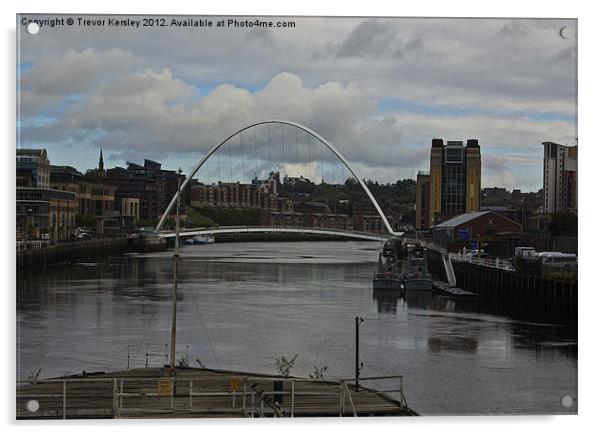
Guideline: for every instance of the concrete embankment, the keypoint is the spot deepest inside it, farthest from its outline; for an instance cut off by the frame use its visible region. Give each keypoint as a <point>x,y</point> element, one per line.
<point>65,253</point>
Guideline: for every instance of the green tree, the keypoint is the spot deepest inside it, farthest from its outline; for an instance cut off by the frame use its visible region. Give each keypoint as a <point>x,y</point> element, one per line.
<point>563,224</point>
<point>87,221</point>
<point>196,219</point>
<point>142,223</point>
<point>92,176</point>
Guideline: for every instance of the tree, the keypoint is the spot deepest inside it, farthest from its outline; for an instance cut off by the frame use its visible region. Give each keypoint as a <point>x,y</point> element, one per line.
<point>92,176</point>
<point>284,364</point>
<point>146,223</point>
<point>196,219</point>
<point>563,224</point>
<point>87,221</point>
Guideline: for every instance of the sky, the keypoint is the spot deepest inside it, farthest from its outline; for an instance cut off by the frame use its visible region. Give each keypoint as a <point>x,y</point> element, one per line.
<point>378,89</point>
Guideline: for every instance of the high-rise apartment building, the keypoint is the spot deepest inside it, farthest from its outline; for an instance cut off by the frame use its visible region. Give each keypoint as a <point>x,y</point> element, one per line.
<point>423,190</point>
<point>454,182</point>
<point>559,178</point>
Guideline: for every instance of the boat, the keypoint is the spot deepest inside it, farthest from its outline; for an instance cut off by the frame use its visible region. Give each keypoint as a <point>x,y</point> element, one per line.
<point>387,281</point>
<point>387,276</point>
<point>200,240</point>
<point>416,276</point>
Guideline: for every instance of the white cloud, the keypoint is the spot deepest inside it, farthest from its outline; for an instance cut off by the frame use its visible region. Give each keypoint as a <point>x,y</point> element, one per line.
<point>508,83</point>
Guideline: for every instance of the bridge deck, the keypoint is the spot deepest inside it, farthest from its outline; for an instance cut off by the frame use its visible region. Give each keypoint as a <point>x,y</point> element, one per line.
<point>368,236</point>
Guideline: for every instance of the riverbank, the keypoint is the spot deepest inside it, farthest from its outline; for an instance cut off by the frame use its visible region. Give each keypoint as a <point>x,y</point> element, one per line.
<point>65,253</point>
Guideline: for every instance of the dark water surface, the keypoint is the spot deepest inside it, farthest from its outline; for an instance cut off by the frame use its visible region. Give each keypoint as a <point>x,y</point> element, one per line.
<point>243,305</point>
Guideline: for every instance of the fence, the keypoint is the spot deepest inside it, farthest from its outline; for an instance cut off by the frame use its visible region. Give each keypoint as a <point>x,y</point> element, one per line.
<point>129,396</point>
<point>152,352</point>
<point>461,257</point>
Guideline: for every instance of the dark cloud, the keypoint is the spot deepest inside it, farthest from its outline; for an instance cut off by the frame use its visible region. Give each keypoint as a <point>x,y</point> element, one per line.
<point>510,83</point>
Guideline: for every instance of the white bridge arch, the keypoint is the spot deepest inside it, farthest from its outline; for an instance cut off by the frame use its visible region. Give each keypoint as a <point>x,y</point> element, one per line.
<point>283,122</point>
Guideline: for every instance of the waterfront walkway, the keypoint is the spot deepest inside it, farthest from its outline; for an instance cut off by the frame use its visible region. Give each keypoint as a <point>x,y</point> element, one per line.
<point>150,393</point>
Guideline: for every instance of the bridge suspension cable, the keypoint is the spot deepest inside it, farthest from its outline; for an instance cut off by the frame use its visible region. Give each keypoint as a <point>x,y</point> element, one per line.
<point>323,142</point>
<point>309,153</point>
<point>255,145</point>
<point>242,156</point>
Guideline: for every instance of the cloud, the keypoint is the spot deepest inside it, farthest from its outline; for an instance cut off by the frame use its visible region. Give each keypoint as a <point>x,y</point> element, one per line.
<point>70,72</point>
<point>509,83</point>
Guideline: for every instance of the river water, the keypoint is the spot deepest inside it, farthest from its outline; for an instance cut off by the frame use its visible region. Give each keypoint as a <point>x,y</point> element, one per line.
<point>242,305</point>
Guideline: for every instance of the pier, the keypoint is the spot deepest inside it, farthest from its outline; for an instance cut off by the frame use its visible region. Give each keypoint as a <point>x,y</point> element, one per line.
<point>508,292</point>
<point>151,393</point>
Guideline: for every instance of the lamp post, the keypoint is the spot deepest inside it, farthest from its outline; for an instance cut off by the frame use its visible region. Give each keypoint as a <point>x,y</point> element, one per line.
<point>176,261</point>
<point>28,225</point>
<point>358,367</point>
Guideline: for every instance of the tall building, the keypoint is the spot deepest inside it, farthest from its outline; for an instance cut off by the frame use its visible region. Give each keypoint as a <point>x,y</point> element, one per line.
<point>454,182</point>
<point>423,188</point>
<point>559,178</point>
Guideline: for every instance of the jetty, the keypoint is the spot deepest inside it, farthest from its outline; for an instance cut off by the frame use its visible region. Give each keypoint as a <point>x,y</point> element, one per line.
<point>201,392</point>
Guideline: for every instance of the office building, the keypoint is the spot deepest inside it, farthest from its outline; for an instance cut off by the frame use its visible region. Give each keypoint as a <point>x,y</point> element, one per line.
<point>33,168</point>
<point>153,186</point>
<point>559,178</point>
<point>453,183</point>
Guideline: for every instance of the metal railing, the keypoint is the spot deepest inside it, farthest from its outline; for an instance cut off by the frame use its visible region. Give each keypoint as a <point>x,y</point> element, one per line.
<point>152,352</point>
<point>252,401</point>
<point>460,257</point>
<point>485,262</point>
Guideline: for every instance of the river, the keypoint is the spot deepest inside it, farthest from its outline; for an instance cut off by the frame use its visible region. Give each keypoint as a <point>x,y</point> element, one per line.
<point>242,305</point>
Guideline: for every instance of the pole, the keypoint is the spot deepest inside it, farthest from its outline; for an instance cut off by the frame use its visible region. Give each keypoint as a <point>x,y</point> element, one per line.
<point>357,353</point>
<point>176,261</point>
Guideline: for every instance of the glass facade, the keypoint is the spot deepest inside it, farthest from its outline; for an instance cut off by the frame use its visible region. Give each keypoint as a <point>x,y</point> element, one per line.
<point>453,188</point>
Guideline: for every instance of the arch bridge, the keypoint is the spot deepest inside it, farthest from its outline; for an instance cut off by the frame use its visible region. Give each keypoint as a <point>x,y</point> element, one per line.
<point>313,134</point>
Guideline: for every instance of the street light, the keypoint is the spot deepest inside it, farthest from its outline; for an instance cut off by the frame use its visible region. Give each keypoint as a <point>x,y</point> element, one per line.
<point>358,366</point>
<point>28,225</point>
<point>176,260</point>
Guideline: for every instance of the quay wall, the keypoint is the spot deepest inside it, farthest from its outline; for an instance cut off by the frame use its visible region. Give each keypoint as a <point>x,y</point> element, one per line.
<point>518,295</point>
<point>70,252</point>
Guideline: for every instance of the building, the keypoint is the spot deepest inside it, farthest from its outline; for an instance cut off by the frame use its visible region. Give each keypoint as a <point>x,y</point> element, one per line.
<point>153,186</point>
<point>423,189</point>
<point>260,194</point>
<point>130,206</point>
<point>495,234</point>
<point>559,178</point>
<point>44,213</point>
<point>33,168</point>
<point>92,198</point>
<point>454,180</point>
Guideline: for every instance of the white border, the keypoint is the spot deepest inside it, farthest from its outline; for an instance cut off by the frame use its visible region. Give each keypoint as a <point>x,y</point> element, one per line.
<point>589,302</point>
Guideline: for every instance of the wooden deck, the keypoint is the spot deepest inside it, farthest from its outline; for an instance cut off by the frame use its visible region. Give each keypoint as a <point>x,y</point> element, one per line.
<point>150,393</point>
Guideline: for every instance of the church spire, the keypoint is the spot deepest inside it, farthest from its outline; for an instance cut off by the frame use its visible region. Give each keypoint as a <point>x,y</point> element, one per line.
<point>101,164</point>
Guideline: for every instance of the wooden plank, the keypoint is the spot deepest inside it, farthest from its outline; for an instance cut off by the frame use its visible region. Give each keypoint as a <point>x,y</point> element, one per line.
<point>92,396</point>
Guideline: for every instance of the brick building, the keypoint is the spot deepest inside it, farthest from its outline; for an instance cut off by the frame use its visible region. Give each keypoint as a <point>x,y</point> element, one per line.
<point>485,230</point>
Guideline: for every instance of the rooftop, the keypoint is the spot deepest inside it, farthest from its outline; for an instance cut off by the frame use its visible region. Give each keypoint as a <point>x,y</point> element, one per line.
<point>461,219</point>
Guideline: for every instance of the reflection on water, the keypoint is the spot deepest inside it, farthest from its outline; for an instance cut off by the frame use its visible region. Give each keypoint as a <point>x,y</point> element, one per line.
<point>243,305</point>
